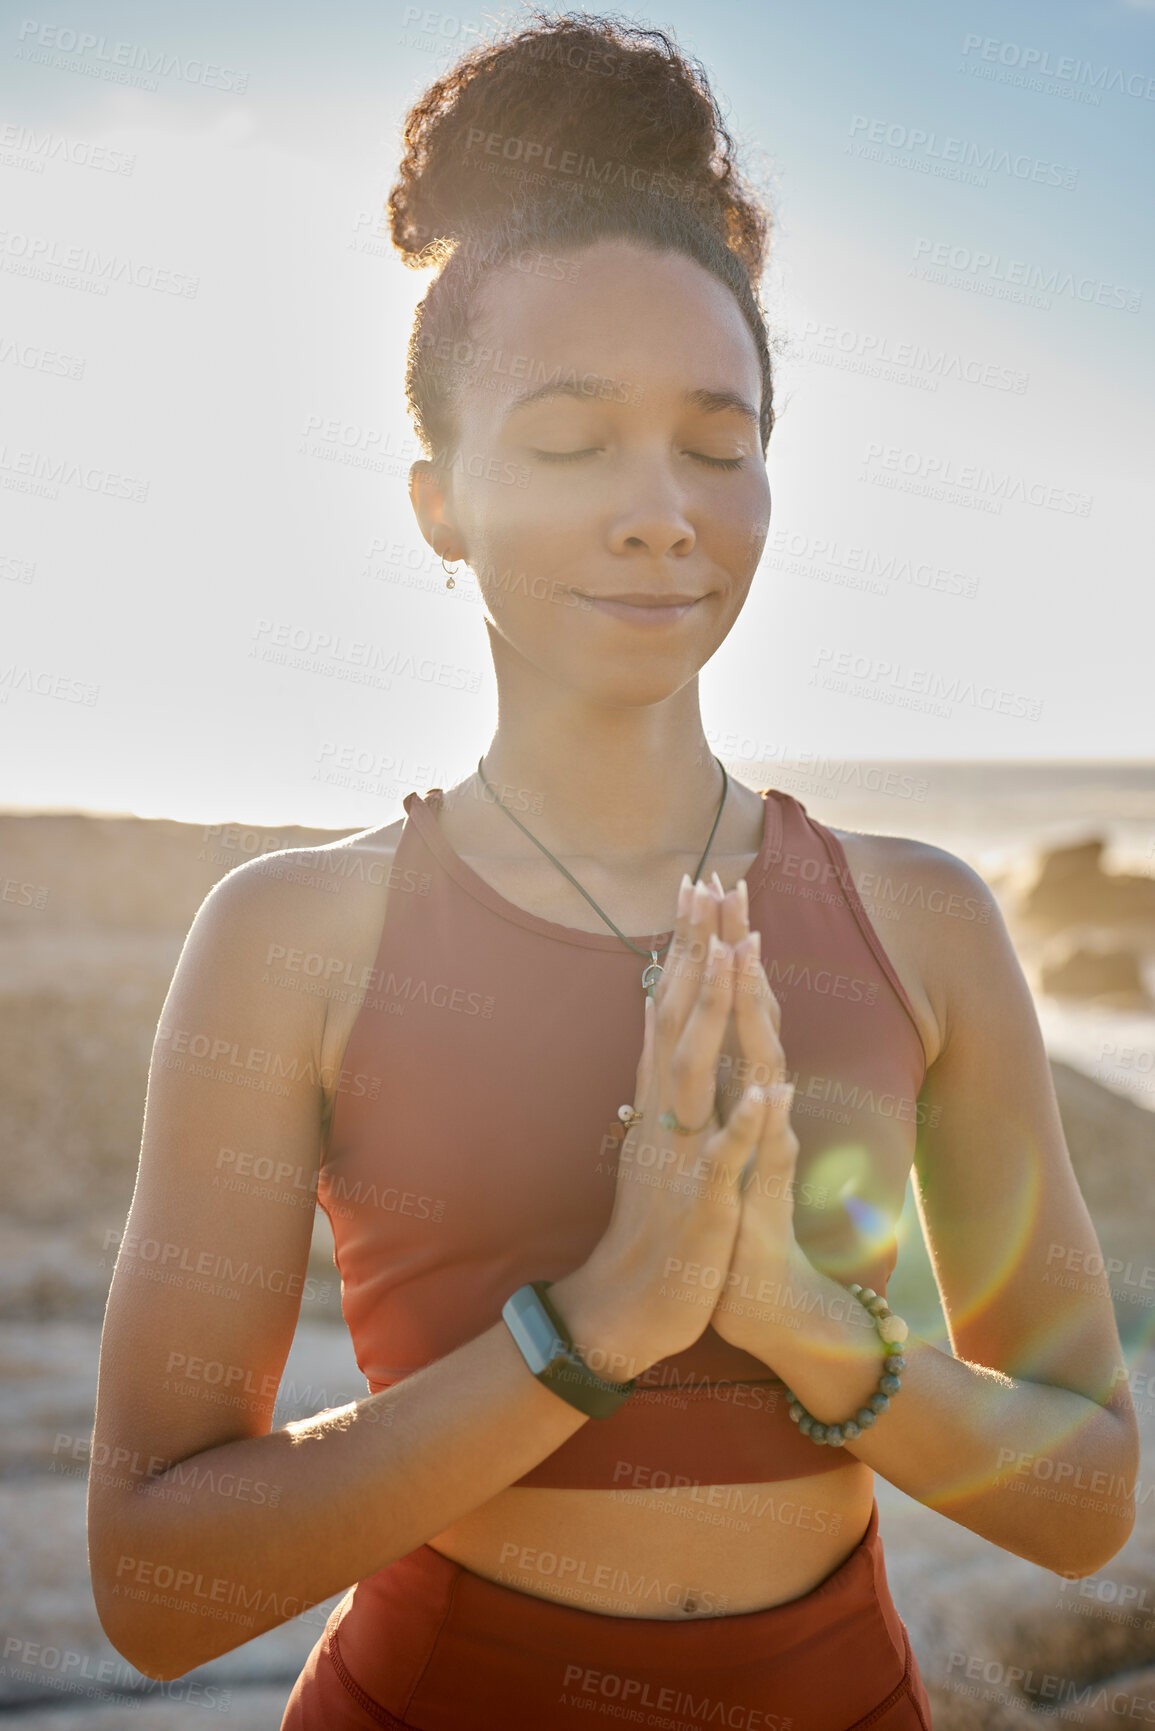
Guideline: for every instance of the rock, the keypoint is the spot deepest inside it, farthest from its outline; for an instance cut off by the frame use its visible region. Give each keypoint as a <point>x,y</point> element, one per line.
<point>92,921</point>
<point>1071,968</point>
<point>1067,886</point>
<point>1112,1146</point>
<point>74,871</point>
<point>94,915</point>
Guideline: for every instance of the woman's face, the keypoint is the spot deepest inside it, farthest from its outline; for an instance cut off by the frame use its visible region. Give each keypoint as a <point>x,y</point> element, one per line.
<point>623,485</point>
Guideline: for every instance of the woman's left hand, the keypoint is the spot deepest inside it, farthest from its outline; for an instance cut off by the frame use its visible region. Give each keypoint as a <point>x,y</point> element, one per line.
<point>765,1249</point>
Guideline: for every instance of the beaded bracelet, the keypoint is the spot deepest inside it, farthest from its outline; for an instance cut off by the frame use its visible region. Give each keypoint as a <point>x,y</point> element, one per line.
<point>892,1332</point>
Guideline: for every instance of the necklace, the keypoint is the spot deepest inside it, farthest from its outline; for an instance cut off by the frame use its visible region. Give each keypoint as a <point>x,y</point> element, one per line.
<point>652,972</point>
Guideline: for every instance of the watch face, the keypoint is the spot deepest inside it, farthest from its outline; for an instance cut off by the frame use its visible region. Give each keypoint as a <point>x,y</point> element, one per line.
<point>550,1357</point>
<point>545,1346</point>
<point>543,1335</point>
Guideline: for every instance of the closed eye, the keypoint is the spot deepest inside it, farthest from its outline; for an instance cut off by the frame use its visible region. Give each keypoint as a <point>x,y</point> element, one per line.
<point>572,456</point>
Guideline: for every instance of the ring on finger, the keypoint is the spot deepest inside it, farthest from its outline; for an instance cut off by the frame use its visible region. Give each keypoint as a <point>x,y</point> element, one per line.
<point>669,1121</point>
<point>629,1117</point>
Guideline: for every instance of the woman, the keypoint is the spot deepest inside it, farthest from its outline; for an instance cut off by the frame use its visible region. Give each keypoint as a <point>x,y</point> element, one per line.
<point>630,1376</point>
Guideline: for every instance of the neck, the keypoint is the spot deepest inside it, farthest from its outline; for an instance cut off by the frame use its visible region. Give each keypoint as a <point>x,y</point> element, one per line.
<point>613,783</point>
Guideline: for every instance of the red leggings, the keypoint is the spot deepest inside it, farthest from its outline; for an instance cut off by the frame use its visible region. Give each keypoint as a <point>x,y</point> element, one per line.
<point>428,1644</point>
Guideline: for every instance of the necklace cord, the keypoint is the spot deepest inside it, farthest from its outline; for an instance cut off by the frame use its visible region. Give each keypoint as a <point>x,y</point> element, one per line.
<point>600,911</point>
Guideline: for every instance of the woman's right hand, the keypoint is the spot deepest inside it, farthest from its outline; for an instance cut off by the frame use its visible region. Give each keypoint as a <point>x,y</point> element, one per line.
<point>661,1263</point>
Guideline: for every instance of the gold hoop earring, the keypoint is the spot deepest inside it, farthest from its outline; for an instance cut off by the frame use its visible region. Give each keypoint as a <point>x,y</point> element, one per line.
<point>449,583</point>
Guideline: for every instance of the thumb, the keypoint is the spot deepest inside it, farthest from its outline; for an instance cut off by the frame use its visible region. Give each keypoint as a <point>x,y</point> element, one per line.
<point>768,1175</point>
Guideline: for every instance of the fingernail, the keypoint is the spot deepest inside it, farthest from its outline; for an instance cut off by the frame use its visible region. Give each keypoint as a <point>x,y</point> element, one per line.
<point>743,897</point>
<point>701,901</point>
<point>756,945</point>
<point>716,951</point>
<point>717,882</point>
<point>685,891</point>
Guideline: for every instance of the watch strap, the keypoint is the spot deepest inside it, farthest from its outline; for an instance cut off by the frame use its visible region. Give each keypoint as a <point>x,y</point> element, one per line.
<point>567,1375</point>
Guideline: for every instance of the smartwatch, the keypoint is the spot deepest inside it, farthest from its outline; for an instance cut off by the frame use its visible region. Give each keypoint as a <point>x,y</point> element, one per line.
<point>545,1344</point>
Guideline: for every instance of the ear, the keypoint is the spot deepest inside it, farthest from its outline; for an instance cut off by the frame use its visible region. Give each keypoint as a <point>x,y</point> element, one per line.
<point>429,494</point>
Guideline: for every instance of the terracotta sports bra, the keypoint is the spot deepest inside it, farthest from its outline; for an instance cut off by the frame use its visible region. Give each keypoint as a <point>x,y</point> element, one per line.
<point>479,1152</point>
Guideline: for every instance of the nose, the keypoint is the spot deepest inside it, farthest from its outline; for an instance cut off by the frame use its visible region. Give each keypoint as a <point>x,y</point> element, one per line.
<point>652,518</point>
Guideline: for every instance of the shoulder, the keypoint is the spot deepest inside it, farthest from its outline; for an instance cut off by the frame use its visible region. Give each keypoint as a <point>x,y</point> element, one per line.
<point>306,919</point>
<point>324,885</point>
<point>902,867</point>
<point>935,915</point>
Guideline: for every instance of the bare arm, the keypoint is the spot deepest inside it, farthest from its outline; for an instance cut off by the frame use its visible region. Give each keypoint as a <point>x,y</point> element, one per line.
<point>206,1528</point>
<point>1027,1435</point>
<point>244,1536</point>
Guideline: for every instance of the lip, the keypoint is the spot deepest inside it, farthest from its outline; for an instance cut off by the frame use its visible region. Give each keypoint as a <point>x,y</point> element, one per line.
<point>640,608</point>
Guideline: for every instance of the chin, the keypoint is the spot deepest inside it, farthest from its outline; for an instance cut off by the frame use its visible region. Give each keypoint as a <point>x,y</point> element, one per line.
<point>636,688</point>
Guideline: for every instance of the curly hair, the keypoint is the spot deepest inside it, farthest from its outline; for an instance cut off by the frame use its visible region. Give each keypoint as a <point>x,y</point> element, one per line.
<point>602,130</point>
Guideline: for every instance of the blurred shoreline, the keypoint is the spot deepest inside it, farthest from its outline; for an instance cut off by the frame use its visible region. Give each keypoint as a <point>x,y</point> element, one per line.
<point>1024,799</point>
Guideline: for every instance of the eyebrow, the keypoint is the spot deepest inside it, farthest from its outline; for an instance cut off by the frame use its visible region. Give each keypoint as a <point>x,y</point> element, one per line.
<point>710,402</point>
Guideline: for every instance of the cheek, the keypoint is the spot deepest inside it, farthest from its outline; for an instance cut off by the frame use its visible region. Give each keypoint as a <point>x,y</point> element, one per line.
<point>529,529</point>
<point>742,536</point>
<point>517,564</point>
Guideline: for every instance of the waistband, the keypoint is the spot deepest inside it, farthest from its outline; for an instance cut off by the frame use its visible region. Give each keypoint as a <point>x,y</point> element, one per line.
<point>428,1643</point>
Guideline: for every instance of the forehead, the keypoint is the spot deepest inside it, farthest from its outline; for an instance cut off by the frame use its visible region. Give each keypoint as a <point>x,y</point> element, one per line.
<point>656,320</point>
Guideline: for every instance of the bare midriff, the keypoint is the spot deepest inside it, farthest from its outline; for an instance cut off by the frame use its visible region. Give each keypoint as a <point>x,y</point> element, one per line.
<point>705,1550</point>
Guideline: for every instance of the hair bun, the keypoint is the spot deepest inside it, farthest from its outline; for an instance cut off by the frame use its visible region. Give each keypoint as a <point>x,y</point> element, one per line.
<point>575,106</point>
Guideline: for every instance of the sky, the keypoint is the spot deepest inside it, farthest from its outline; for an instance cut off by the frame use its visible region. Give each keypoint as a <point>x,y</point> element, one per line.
<point>204,446</point>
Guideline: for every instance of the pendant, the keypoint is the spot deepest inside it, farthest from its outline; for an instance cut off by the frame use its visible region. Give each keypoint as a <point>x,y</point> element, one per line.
<point>651,974</point>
